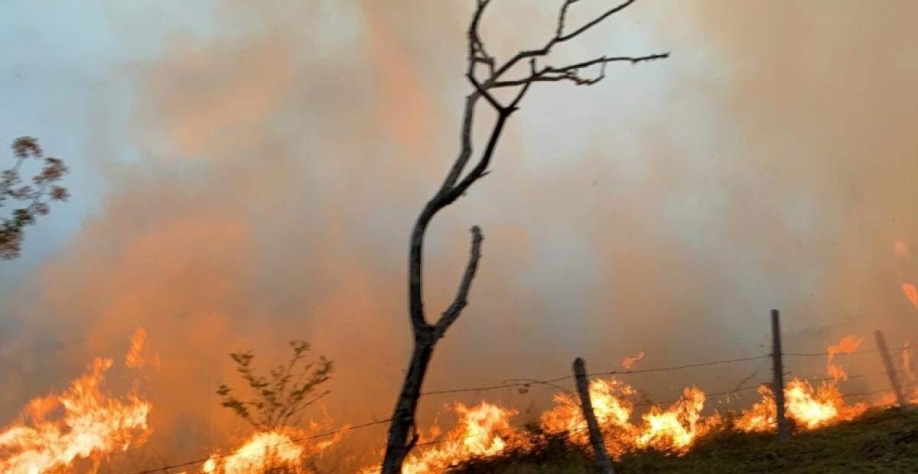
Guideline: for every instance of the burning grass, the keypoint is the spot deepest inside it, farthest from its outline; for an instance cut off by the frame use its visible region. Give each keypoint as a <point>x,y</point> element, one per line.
<point>880,441</point>
<point>83,425</point>
<point>79,426</point>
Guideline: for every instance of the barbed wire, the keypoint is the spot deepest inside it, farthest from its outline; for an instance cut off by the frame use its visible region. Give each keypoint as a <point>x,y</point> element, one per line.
<point>826,354</point>
<point>530,382</point>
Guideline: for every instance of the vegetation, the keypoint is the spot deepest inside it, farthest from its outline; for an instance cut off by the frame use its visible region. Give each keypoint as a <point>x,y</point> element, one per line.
<point>881,441</point>
<point>281,396</point>
<point>33,199</point>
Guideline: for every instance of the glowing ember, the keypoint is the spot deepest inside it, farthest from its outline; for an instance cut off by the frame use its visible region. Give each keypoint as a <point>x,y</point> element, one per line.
<point>628,362</point>
<point>81,423</point>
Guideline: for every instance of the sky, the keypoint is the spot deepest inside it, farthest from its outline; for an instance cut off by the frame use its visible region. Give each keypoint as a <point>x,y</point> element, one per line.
<point>244,174</point>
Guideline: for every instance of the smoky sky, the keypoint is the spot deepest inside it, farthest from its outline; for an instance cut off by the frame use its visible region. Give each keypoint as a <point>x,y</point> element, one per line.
<point>279,154</point>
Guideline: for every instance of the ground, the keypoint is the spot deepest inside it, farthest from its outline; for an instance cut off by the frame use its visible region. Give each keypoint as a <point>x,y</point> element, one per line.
<point>881,441</point>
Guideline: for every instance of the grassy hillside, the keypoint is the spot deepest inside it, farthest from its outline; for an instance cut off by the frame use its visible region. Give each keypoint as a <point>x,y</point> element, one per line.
<point>882,441</point>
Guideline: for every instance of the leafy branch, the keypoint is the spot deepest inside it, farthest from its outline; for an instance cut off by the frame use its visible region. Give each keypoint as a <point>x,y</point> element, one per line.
<point>283,394</point>
<point>33,199</point>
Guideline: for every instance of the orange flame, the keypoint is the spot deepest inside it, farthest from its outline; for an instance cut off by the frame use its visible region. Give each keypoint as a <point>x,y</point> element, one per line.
<point>847,345</point>
<point>911,293</point>
<point>482,431</point>
<point>628,362</point>
<point>671,430</point>
<point>263,452</point>
<point>81,423</point>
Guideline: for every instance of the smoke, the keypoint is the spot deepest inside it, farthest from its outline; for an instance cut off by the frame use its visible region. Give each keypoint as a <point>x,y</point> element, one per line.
<point>768,163</point>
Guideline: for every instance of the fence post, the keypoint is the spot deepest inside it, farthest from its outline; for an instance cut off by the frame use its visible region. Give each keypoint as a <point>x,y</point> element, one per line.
<point>889,368</point>
<point>778,382</point>
<point>602,458</point>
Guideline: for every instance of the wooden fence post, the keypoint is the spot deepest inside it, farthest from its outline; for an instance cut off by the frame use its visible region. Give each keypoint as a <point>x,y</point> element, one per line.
<point>778,383</point>
<point>889,368</point>
<point>599,447</point>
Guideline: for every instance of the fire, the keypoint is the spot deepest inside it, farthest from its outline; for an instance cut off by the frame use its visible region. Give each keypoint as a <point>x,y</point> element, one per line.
<point>83,423</point>
<point>676,428</point>
<point>813,409</point>
<point>808,408</point>
<point>762,415</point>
<point>671,430</point>
<point>482,430</point>
<point>263,452</point>
<point>847,345</point>
<point>78,424</point>
<point>911,293</point>
<point>283,449</point>
<point>628,362</point>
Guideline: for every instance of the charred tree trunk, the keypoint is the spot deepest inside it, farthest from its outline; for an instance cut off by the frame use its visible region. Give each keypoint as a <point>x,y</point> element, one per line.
<point>402,435</point>
<point>403,419</point>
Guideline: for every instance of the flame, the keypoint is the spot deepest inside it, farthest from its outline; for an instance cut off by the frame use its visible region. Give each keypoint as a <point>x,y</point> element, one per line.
<point>284,449</point>
<point>264,452</point>
<point>675,429</point>
<point>847,345</point>
<point>80,423</point>
<point>806,407</point>
<point>628,362</point>
<point>482,430</point>
<point>762,416</point>
<point>911,293</point>
<point>669,430</point>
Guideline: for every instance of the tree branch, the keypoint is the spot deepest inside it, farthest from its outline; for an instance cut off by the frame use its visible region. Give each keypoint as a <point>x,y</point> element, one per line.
<point>596,21</point>
<point>459,303</point>
<point>571,72</point>
<point>559,36</point>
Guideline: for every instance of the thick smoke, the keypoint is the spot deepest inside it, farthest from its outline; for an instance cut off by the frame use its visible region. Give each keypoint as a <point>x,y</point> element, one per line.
<point>768,163</point>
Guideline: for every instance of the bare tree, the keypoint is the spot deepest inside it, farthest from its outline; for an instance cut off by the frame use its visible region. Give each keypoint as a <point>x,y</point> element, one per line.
<point>497,77</point>
<point>34,198</point>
